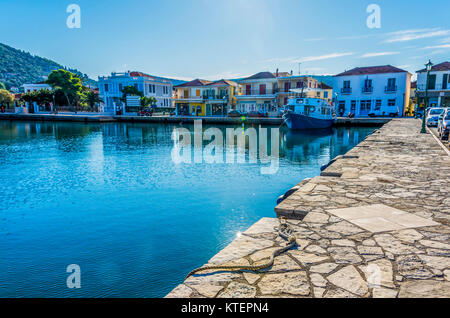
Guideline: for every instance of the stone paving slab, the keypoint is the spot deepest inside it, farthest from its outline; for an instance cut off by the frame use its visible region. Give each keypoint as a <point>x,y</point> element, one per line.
<point>396,176</point>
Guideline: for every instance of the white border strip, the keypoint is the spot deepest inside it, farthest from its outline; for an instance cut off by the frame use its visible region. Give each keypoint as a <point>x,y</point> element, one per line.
<point>439,142</point>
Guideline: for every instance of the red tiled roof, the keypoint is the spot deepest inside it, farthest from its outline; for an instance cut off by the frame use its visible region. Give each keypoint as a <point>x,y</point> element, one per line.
<point>196,82</point>
<point>260,75</point>
<point>139,74</point>
<point>324,86</point>
<point>372,70</point>
<point>445,66</point>
<point>223,82</point>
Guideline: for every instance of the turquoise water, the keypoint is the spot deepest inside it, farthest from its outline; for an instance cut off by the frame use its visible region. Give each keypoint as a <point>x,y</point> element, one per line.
<point>109,198</point>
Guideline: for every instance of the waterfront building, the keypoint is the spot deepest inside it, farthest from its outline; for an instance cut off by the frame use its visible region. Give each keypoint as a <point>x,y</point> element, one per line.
<point>376,90</point>
<point>219,97</point>
<point>438,85</point>
<point>310,86</point>
<point>110,88</point>
<point>29,88</point>
<point>258,93</point>
<point>188,98</point>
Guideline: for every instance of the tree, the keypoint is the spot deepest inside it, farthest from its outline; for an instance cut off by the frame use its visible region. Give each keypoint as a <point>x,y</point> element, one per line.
<point>92,98</point>
<point>68,83</point>
<point>147,101</point>
<point>130,91</point>
<point>6,98</point>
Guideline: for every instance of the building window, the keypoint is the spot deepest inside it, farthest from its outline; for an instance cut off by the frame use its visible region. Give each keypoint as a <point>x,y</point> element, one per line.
<point>299,84</point>
<point>262,89</point>
<point>353,106</point>
<point>341,107</point>
<point>346,84</point>
<point>378,104</point>
<point>197,93</point>
<point>120,87</point>
<point>432,82</point>
<point>445,81</point>
<point>106,88</point>
<point>325,94</point>
<point>391,102</point>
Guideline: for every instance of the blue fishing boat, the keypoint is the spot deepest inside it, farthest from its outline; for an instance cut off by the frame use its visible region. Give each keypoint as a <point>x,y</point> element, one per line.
<point>308,113</point>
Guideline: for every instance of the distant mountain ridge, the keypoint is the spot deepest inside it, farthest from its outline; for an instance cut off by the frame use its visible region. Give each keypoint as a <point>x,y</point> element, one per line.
<point>19,67</point>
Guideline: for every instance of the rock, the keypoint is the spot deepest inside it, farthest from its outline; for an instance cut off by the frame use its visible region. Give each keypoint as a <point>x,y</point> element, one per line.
<point>447,274</point>
<point>370,250</point>
<point>436,262</point>
<point>339,293</point>
<point>238,290</point>
<point>264,225</point>
<point>263,254</point>
<point>181,291</point>
<point>239,248</point>
<point>251,278</point>
<point>318,292</point>
<point>344,227</point>
<point>379,274</point>
<point>411,266</point>
<point>409,236</point>
<point>281,263</point>
<point>348,278</point>
<point>343,243</point>
<point>391,244</point>
<point>317,280</point>
<point>424,289</point>
<point>307,258</point>
<point>369,242</point>
<point>315,217</point>
<point>344,255</point>
<point>381,292</point>
<point>294,283</point>
<point>435,244</point>
<point>315,249</point>
<point>324,268</point>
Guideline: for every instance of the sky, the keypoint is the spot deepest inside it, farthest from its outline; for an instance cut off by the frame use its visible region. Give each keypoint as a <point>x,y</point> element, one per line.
<point>213,39</point>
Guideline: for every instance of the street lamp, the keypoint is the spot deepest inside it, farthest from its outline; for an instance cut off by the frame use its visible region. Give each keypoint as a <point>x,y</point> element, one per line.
<point>428,66</point>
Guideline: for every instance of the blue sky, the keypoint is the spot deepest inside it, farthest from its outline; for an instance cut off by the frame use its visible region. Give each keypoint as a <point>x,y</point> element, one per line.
<point>228,38</point>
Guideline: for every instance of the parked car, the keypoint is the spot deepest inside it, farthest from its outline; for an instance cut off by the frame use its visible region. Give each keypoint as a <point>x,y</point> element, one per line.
<point>256,114</point>
<point>234,113</point>
<point>444,125</point>
<point>433,116</point>
<point>145,112</point>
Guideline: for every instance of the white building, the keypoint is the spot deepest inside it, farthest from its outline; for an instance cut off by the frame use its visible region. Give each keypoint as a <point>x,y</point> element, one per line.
<point>438,85</point>
<point>29,88</point>
<point>376,90</point>
<point>111,90</point>
<point>258,93</point>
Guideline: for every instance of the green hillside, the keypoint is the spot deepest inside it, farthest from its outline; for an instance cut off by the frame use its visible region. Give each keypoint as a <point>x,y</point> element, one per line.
<point>19,67</point>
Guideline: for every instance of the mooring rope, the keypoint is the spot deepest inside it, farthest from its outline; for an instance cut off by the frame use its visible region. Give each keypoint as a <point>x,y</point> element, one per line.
<point>284,230</point>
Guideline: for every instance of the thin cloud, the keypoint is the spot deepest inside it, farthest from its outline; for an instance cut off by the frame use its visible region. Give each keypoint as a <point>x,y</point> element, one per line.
<point>410,35</point>
<point>375,54</point>
<point>443,46</point>
<point>323,57</point>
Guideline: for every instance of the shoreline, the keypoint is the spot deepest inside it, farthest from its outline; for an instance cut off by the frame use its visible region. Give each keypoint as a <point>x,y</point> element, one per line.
<point>376,223</point>
<point>99,118</point>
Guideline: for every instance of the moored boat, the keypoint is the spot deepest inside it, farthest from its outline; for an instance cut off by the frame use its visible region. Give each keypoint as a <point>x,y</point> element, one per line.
<point>308,113</point>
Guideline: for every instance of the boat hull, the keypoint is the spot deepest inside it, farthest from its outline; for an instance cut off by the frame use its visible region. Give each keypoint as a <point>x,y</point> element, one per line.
<point>299,122</point>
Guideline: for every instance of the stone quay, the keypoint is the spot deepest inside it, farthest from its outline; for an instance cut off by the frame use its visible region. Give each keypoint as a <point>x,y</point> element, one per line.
<point>376,223</point>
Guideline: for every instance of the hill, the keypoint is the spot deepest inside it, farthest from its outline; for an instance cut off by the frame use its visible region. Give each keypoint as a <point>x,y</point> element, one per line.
<point>19,67</point>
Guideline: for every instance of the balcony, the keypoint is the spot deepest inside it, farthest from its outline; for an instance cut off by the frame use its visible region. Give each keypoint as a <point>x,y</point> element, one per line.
<point>367,89</point>
<point>215,96</point>
<point>390,89</point>
<point>259,92</point>
<point>346,90</point>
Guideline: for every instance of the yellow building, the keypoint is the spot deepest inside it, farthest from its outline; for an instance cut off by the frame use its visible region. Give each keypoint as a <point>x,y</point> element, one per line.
<point>188,98</point>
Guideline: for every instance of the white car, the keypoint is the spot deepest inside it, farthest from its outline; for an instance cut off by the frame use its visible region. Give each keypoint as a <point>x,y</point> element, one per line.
<point>433,116</point>
<point>444,125</point>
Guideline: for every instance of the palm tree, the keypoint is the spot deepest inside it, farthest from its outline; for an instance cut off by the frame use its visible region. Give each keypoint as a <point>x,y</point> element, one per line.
<point>92,98</point>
